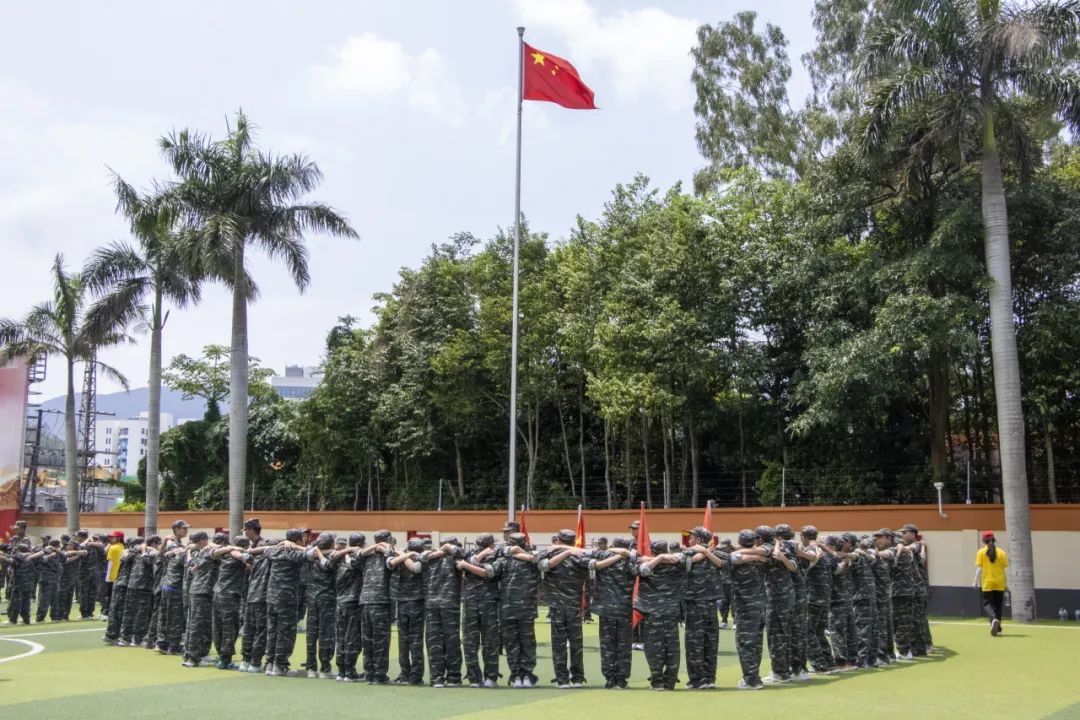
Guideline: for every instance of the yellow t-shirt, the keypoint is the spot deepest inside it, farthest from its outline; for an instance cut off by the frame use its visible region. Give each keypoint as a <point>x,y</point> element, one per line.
<point>112,556</point>
<point>993,573</point>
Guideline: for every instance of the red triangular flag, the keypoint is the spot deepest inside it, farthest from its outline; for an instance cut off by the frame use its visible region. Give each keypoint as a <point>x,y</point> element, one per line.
<point>643,550</point>
<point>524,528</point>
<point>548,77</point>
<point>579,536</point>
<point>706,522</point>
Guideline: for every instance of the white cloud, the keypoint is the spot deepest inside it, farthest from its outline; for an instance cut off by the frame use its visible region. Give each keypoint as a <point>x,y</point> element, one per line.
<point>647,50</point>
<point>368,65</point>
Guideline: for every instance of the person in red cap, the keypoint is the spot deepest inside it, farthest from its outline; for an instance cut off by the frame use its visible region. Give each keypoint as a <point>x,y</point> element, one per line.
<point>112,568</point>
<point>991,562</point>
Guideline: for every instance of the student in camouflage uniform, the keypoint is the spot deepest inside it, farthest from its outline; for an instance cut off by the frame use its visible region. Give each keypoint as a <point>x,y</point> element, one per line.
<point>321,608</point>
<point>348,575</point>
<point>253,643</point>
<point>91,567</point>
<point>519,580</point>
<point>923,639</point>
<point>818,599</point>
<point>140,588</point>
<point>799,622</point>
<point>407,591</point>
<point>119,591</point>
<point>282,603</point>
<point>65,596</point>
<point>199,625</point>
<point>841,624</point>
<point>443,612</point>
<point>170,627</point>
<point>563,571</point>
<point>23,578</point>
<point>883,542</point>
<point>613,603</point>
<point>748,601</point>
<point>228,595</point>
<point>50,568</point>
<point>659,600</point>
<point>864,603</point>
<point>779,603</point>
<point>904,579</point>
<point>480,615</point>
<point>374,605</point>
<point>703,590</point>
<point>723,603</point>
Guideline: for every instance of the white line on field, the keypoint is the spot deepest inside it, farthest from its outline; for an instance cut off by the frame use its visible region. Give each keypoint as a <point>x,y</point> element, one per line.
<point>983,625</point>
<point>35,648</point>
<point>53,632</point>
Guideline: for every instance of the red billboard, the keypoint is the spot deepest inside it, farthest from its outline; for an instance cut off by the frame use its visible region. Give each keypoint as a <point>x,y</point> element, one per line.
<point>13,394</point>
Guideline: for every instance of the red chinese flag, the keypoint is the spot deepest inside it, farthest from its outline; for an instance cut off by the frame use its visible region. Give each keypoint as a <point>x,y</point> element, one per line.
<point>551,78</point>
<point>643,550</point>
<point>579,536</point>
<point>524,529</point>
<point>706,522</point>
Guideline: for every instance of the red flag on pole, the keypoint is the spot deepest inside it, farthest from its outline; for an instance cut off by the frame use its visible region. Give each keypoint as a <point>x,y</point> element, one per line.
<point>548,77</point>
<point>643,550</point>
<point>524,528</point>
<point>706,522</point>
<point>579,535</point>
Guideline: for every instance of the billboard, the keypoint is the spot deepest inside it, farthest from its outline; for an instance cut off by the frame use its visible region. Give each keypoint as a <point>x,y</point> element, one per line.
<point>13,394</point>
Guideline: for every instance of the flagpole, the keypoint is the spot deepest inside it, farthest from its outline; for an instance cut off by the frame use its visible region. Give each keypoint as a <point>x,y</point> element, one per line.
<point>512,483</point>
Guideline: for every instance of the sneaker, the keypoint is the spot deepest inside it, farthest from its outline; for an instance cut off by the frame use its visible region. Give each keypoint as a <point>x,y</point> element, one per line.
<point>723,626</point>
<point>253,668</point>
<point>995,627</point>
<point>453,684</point>
<point>620,684</point>
<point>743,685</point>
<point>244,665</point>
<point>526,683</point>
<point>437,684</point>
<point>288,673</point>
<point>774,679</point>
<point>564,686</point>
<point>905,658</point>
<point>516,683</point>
<point>109,641</point>
<point>489,683</point>
<point>103,618</point>
<point>709,686</point>
<point>189,664</point>
<point>577,685</point>
<point>270,669</point>
<point>340,678</point>
<point>638,646</point>
<point>313,674</point>
<point>326,676</point>
<point>121,643</point>
<point>475,685</point>
<point>803,676</point>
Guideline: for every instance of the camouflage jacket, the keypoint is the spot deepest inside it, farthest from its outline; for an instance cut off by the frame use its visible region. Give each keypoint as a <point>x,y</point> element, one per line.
<point>519,581</point>
<point>660,591</point>
<point>563,585</point>
<point>614,586</point>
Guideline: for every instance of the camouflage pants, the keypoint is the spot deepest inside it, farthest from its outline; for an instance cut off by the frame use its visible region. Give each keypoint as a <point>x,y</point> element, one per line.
<point>281,632</point>
<point>46,597</point>
<point>750,618</point>
<point>519,641</point>
<point>200,622</point>
<point>321,608</point>
<point>87,594</point>
<point>818,650</point>
<point>136,615</point>
<point>253,645</point>
<point>375,641</point>
<point>116,612</point>
<point>864,614</point>
<point>444,643</point>
<point>155,608</point>
<point>923,639</point>
<point>884,628</point>
<point>170,628</point>
<point>566,635</point>
<point>64,600</point>
<point>842,625</point>
<point>904,623</point>
<point>724,603</point>
<point>410,641</point>
<point>779,617</point>
<point>22,594</point>
<point>662,650</point>
<point>347,635</point>
<point>480,636</point>
<point>799,636</point>
<point>702,641</point>
<point>616,646</point>
<point>226,624</point>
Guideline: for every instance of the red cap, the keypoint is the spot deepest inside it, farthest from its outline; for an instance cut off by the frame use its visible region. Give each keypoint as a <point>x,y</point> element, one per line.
<point>988,536</point>
<point>116,534</point>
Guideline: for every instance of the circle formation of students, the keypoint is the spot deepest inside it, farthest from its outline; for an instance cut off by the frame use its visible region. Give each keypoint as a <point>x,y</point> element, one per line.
<point>827,605</point>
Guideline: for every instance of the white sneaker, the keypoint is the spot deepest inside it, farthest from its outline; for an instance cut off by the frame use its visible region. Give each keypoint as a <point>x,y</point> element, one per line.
<point>244,665</point>
<point>743,685</point>
<point>803,676</point>
<point>517,683</point>
<point>313,674</point>
<point>723,626</point>
<point>638,646</point>
<point>772,679</point>
<point>526,682</point>
<point>270,669</point>
<point>489,683</point>
<point>475,685</point>
<point>564,686</point>
<point>252,668</point>
<point>326,676</point>
<point>577,685</point>
<point>288,673</point>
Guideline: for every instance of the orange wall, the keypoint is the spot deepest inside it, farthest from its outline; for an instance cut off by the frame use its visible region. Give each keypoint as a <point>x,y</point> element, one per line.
<point>725,520</point>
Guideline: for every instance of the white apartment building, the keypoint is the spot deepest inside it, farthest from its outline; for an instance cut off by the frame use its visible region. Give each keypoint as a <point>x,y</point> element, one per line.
<point>297,383</point>
<point>120,444</point>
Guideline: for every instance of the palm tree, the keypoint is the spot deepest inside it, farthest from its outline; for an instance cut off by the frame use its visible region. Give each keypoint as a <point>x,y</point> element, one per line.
<point>235,197</point>
<point>127,277</point>
<point>61,327</point>
<point>962,64</point>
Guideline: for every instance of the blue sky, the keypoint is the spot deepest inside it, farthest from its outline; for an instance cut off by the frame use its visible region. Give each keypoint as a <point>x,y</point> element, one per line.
<point>408,108</point>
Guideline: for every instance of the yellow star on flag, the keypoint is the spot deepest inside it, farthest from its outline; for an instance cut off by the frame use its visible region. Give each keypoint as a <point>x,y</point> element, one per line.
<point>538,58</point>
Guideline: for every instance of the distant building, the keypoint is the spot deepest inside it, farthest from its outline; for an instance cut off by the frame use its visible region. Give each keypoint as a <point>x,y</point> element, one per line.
<point>297,383</point>
<point>120,444</point>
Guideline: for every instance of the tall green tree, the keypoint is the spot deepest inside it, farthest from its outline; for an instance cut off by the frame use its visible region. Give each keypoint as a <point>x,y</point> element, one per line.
<point>156,271</point>
<point>964,62</point>
<point>61,327</point>
<point>237,199</point>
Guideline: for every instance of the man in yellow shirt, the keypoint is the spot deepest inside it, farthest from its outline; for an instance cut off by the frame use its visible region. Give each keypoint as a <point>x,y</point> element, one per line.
<point>991,562</point>
<point>112,567</point>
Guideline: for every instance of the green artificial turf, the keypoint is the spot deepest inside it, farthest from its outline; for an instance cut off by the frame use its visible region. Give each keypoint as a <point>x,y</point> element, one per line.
<point>1028,672</point>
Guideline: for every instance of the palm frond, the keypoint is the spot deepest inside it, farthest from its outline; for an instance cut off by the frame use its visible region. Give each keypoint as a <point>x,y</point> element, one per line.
<point>112,373</point>
<point>119,308</point>
<point>891,96</point>
<point>111,265</point>
<point>1059,88</point>
<point>279,243</point>
<point>1048,29</point>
